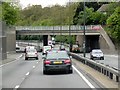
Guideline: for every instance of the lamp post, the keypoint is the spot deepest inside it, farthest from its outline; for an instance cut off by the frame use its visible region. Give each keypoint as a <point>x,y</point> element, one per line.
<point>84,39</point>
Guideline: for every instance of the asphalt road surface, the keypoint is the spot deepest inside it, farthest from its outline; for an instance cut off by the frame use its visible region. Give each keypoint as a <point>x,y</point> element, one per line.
<point>29,74</point>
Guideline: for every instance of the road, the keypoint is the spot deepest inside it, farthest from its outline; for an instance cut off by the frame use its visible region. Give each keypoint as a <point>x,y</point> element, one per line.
<point>109,60</point>
<point>28,74</point>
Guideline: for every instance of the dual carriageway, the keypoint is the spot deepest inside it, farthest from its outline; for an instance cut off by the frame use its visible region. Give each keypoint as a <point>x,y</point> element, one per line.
<point>23,73</point>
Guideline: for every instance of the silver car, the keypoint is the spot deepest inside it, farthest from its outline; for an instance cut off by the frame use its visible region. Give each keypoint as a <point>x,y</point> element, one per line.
<point>96,54</point>
<point>31,53</point>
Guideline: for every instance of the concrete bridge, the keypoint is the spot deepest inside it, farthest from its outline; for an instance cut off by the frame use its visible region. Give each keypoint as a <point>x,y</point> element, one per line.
<point>95,35</point>
<point>56,30</point>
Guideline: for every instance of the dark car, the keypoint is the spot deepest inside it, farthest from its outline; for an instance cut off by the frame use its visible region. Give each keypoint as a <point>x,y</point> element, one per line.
<point>57,61</point>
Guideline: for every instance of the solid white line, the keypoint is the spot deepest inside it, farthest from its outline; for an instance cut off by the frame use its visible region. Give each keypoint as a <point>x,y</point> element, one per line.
<point>83,77</point>
<point>11,61</point>
<point>17,86</point>
<point>27,73</point>
<point>33,66</point>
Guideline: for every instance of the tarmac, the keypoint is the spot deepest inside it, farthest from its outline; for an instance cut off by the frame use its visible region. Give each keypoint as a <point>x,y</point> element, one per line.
<point>11,57</point>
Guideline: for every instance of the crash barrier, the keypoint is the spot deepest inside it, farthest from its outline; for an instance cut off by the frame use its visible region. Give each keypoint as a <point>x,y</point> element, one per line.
<point>106,70</point>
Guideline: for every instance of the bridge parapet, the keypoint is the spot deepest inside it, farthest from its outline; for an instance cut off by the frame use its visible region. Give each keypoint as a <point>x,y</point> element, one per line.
<point>67,27</point>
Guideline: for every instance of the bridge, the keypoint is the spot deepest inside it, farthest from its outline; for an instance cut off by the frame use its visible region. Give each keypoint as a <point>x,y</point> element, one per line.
<point>56,30</point>
<point>95,35</point>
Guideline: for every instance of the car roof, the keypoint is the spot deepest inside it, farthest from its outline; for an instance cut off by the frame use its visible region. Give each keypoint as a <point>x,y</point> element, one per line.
<point>96,50</point>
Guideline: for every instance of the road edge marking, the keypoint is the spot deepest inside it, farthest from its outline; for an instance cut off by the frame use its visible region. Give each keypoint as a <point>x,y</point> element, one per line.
<point>12,61</point>
<point>27,73</point>
<point>17,86</point>
<point>83,77</point>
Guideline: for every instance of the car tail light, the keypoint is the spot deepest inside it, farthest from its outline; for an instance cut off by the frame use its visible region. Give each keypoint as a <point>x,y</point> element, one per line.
<point>67,61</point>
<point>47,62</point>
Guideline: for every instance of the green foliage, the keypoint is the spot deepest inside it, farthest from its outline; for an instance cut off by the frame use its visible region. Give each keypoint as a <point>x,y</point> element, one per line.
<point>10,13</point>
<point>113,23</point>
<point>91,17</point>
<point>94,5</point>
<point>56,15</point>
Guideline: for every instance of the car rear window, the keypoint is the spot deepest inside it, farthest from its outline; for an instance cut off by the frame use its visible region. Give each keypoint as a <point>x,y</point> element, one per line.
<point>31,50</point>
<point>57,55</point>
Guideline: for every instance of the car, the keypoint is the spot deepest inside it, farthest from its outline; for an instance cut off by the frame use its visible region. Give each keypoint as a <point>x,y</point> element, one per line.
<point>62,47</point>
<point>31,53</point>
<point>75,48</point>
<point>96,54</point>
<point>57,61</point>
<point>17,48</point>
<point>45,49</point>
<point>28,47</point>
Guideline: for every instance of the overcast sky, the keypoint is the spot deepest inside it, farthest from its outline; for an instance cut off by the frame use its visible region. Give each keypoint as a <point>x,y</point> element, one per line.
<point>44,3</point>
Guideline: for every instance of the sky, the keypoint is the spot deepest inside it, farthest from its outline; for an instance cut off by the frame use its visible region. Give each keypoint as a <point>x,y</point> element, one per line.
<point>44,3</point>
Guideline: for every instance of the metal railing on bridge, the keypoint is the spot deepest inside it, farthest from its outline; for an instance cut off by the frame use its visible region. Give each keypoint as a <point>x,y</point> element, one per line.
<point>67,27</point>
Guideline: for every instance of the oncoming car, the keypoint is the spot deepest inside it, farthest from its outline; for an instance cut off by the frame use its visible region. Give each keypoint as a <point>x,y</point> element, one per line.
<point>96,54</point>
<point>57,61</point>
<point>31,53</point>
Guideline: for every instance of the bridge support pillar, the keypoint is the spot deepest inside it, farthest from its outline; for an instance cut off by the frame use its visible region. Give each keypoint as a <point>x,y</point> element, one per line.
<point>45,40</point>
<point>79,39</point>
<point>49,37</point>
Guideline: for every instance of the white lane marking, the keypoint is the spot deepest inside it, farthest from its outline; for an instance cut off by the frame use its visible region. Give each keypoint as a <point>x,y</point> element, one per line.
<point>16,59</point>
<point>1,66</point>
<point>83,77</point>
<point>37,62</point>
<point>27,73</point>
<point>33,66</point>
<point>17,86</point>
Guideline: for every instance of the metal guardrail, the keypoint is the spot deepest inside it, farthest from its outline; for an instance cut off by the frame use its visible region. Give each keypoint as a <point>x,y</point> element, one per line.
<point>106,70</point>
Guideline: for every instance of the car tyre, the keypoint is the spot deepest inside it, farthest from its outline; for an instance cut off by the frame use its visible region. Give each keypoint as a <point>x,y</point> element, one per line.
<point>26,58</point>
<point>44,72</point>
<point>36,58</point>
<point>70,71</point>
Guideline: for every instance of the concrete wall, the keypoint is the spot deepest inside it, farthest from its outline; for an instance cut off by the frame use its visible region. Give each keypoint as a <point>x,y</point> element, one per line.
<point>79,38</point>
<point>3,54</point>
<point>11,39</point>
<point>103,43</point>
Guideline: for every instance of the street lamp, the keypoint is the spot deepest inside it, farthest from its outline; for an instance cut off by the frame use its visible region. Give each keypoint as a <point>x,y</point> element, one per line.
<point>84,40</point>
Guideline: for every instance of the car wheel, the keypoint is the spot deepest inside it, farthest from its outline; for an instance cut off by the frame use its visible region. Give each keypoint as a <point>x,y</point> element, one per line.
<point>102,58</point>
<point>70,71</point>
<point>26,58</point>
<point>44,72</point>
<point>36,58</point>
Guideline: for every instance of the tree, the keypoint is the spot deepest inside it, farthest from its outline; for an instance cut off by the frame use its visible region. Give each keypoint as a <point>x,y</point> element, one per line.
<point>113,23</point>
<point>10,13</point>
<point>92,17</point>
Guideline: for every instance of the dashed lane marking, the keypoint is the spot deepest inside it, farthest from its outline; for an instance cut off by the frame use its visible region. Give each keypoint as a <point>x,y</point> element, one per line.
<point>33,66</point>
<point>27,73</point>
<point>17,86</point>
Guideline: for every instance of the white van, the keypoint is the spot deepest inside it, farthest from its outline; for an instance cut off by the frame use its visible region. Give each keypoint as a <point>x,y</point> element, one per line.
<point>45,48</point>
